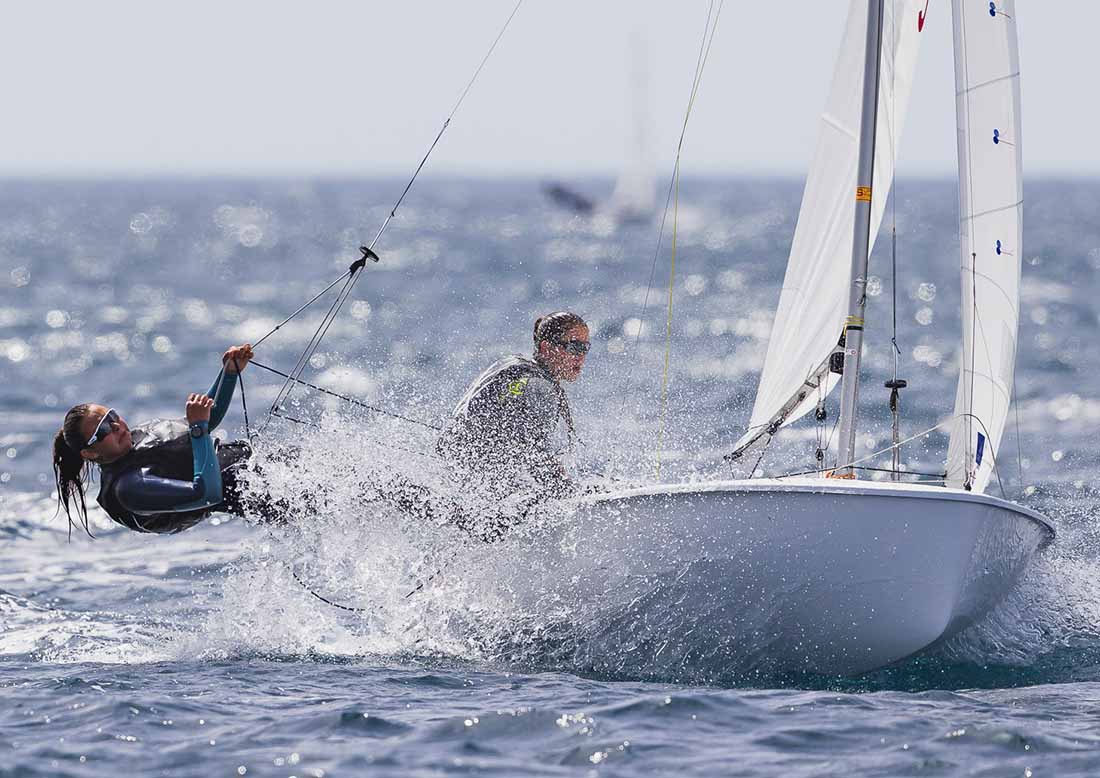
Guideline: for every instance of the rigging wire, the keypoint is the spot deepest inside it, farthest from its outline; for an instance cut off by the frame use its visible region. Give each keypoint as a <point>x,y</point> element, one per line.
<point>352,276</point>
<point>895,384</point>
<point>314,299</point>
<point>663,413</point>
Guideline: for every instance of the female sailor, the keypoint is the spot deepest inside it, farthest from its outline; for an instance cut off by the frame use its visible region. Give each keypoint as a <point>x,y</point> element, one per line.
<point>161,476</point>
<point>501,434</point>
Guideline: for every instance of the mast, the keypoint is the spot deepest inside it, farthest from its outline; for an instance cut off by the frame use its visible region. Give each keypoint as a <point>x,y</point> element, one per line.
<point>857,299</point>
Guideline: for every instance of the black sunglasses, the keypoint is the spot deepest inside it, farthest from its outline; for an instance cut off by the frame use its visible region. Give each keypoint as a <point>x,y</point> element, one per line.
<point>104,429</point>
<point>576,347</point>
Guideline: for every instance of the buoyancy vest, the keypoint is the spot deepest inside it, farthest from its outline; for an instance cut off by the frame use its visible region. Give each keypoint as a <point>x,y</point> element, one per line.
<point>163,446</point>
<point>503,426</point>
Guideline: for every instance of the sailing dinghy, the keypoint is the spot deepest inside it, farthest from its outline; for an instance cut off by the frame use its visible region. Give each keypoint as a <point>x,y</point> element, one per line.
<point>835,574</point>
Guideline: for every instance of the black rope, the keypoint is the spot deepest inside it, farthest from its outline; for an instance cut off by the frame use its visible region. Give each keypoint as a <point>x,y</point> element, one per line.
<point>446,124</point>
<point>315,340</point>
<point>314,299</point>
<point>348,399</point>
<point>358,609</point>
<point>379,441</point>
<point>327,601</point>
<point>244,400</point>
<point>354,271</point>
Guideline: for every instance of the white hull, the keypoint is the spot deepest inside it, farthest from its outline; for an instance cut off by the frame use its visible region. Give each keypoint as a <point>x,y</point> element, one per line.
<point>807,575</point>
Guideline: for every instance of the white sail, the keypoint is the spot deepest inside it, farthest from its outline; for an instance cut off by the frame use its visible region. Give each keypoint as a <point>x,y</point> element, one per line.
<point>987,82</point>
<point>635,195</point>
<point>814,299</point>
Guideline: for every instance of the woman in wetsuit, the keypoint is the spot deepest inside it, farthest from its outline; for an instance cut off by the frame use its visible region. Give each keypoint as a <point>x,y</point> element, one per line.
<point>160,476</point>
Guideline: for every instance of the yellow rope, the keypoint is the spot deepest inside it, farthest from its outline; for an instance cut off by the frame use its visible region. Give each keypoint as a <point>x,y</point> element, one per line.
<point>704,52</point>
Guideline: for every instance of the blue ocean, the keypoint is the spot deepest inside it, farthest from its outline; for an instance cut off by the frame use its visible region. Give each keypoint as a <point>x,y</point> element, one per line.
<point>212,653</point>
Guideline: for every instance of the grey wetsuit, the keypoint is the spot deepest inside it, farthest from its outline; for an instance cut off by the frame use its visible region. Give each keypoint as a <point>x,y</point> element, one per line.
<point>502,430</point>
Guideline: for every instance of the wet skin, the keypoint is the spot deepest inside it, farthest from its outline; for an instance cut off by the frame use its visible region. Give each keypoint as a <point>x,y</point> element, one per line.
<point>561,364</point>
<point>109,447</point>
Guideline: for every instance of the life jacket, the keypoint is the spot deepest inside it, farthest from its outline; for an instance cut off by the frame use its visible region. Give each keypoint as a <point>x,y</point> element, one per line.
<point>163,446</point>
<point>498,435</point>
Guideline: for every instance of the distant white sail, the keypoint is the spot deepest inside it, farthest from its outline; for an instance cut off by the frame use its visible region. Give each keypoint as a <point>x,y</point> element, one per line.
<point>987,82</point>
<point>814,299</point>
<point>635,195</point>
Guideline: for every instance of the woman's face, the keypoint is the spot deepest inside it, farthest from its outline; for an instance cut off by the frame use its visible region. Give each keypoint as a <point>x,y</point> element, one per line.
<point>562,364</point>
<point>108,447</point>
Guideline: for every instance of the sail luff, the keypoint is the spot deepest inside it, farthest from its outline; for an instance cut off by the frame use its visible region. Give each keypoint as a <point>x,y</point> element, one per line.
<point>987,80</point>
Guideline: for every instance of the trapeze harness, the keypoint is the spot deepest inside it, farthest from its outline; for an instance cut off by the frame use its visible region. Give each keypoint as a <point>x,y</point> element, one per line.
<point>175,475</point>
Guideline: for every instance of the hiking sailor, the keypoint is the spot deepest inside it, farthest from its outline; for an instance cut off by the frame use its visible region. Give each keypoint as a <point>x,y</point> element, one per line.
<point>160,476</point>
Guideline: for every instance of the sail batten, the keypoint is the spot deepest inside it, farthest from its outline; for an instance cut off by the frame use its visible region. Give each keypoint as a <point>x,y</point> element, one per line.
<point>814,298</point>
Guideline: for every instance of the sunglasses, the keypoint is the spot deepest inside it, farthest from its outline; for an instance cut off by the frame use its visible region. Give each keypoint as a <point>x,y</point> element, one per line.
<point>104,429</point>
<point>576,347</point>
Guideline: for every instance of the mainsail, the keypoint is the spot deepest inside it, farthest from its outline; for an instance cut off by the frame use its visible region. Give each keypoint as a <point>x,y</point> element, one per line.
<point>812,304</point>
<point>987,82</point>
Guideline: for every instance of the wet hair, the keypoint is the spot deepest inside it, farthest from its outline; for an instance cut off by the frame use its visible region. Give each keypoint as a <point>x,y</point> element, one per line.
<point>70,469</point>
<point>553,326</point>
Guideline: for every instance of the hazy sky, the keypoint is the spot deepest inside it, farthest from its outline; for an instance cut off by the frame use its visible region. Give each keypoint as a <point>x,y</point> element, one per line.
<point>243,87</point>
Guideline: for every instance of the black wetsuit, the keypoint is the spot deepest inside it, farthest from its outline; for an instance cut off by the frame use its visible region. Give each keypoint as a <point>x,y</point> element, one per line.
<point>170,481</point>
<point>502,431</point>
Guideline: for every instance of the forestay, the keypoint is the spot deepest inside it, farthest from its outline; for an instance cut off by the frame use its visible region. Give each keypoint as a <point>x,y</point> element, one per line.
<point>987,81</point>
<point>814,298</point>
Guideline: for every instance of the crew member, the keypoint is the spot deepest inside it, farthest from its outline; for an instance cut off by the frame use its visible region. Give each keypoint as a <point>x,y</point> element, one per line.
<point>501,434</point>
<point>161,476</point>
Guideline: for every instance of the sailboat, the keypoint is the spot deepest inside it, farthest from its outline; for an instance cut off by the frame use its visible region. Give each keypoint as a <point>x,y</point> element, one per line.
<point>634,197</point>
<point>833,573</point>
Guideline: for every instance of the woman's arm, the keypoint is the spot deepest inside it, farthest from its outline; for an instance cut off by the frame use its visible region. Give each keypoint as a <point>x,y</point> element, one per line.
<point>234,360</point>
<point>221,391</point>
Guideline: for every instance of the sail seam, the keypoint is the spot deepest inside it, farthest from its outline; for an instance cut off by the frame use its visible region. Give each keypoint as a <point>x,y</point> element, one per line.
<point>992,381</point>
<point>836,124</point>
<point>999,209</point>
<point>993,283</point>
<point>990,82</point>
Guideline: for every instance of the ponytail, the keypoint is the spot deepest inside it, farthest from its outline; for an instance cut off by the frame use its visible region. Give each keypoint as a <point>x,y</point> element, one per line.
<point>70,469</point>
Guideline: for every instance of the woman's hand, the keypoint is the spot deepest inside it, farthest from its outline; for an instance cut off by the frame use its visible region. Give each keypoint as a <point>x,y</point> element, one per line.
<point>198,407</point>
<point>237,357</point>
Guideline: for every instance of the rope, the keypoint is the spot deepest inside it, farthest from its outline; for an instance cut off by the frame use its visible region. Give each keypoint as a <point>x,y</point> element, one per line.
<point>326,600</point>
<point>939,476</point>
<point>351,277</point>
<point>314,299</point>
<point>928,431</point>
<point>704,52</point>
<point>663,418</point>
<point>446,123</point>
<point>244,400</point>
<point>311,347</point>
<point>379,441</point>
<point>352,400</point>
<point>661,229</point>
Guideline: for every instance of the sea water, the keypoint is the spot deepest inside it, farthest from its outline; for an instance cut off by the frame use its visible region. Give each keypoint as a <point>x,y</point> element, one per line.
<point>211,652</point>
